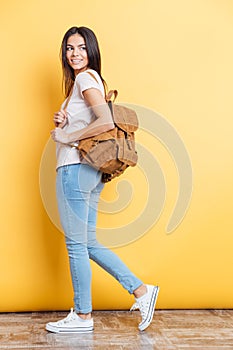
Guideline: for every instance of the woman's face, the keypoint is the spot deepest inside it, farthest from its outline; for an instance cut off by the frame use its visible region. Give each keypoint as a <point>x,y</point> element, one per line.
<point>76,53</point>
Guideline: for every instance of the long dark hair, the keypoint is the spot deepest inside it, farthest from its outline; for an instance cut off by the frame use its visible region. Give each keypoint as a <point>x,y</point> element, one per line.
<point>93,54</point>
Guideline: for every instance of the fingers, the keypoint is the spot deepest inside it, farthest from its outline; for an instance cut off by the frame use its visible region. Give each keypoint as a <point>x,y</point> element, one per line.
<point>59,135</point>
<point>53,134</point>
<point>60,117</point>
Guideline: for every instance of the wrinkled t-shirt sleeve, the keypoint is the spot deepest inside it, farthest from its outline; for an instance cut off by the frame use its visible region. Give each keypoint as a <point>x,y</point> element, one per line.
<point>85,81</point>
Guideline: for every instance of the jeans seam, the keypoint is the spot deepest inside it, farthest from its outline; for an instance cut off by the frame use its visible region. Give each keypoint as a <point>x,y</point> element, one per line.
<point>66,205</point>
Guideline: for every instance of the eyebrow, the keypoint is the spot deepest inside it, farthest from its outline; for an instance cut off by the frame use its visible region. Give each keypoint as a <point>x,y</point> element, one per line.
<point>74,45</point>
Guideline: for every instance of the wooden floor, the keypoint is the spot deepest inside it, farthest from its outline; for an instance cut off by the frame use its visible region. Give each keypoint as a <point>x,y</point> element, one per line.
<point>174,329</point>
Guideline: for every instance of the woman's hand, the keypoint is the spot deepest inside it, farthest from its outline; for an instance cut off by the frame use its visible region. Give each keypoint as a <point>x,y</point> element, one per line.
<point>59,135</point>
<point>60,118</point>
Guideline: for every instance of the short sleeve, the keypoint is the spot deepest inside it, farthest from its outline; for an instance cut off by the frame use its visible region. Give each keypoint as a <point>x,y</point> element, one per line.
<point>85,81</point>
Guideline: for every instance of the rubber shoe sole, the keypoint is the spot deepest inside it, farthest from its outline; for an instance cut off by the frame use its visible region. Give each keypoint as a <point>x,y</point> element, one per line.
<point>143,325</point>
<point>66,330</point>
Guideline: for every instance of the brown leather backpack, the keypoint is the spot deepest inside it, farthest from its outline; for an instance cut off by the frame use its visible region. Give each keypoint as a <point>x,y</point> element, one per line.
<point>113,151</point>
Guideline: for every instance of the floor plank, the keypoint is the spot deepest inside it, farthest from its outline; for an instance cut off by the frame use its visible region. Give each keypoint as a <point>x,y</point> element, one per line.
<point>170,329</point>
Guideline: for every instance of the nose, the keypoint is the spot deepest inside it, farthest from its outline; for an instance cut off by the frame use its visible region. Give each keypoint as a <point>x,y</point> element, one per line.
<point>76,52</point>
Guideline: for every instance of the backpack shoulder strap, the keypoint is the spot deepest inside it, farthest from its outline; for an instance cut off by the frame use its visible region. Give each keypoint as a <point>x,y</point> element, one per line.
<point>93,76</point>
<point>68,99</point>
<point>110,93</point>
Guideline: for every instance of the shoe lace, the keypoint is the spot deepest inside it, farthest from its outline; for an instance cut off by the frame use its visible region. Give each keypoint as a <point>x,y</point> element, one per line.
<point>142,306</point>
<point>135,306</point>
<point>69,318</point>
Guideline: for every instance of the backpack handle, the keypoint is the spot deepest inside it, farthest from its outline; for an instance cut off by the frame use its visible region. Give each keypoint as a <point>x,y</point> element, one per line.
<point>110,94</point>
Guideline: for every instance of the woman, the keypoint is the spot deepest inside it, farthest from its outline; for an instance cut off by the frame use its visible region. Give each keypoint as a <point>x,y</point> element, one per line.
<point>83,114</point>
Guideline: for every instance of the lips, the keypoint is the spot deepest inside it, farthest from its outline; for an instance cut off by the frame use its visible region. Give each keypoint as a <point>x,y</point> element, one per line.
<point>76,61</point>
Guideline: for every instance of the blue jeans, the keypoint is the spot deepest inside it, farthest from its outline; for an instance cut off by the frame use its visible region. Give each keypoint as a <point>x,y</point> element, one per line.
<point>78,191</point>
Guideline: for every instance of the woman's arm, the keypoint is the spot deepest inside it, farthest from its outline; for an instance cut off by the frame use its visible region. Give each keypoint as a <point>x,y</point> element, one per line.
<point>103,122</point>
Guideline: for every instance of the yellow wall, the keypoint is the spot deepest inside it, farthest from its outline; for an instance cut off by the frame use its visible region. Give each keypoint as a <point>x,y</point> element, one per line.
<point>173,57</point>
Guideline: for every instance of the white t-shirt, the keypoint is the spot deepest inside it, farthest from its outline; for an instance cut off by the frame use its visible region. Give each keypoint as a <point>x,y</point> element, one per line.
<point>79,115</point>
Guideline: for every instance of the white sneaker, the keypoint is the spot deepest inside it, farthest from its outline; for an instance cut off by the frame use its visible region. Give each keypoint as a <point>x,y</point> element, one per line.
<point>146,306</point>
<point>71,324</point>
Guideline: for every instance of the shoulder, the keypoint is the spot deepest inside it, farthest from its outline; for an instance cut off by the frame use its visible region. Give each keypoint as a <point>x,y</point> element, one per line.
<point>89,79</point>
<point>88,75</point>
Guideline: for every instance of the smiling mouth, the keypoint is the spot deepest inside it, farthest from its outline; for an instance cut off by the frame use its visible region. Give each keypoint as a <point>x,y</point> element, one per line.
<point>76,61</point>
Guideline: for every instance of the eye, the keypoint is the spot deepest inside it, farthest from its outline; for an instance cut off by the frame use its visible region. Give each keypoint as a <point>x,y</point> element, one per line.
<point>83,48</point>
<point>69,48</point>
